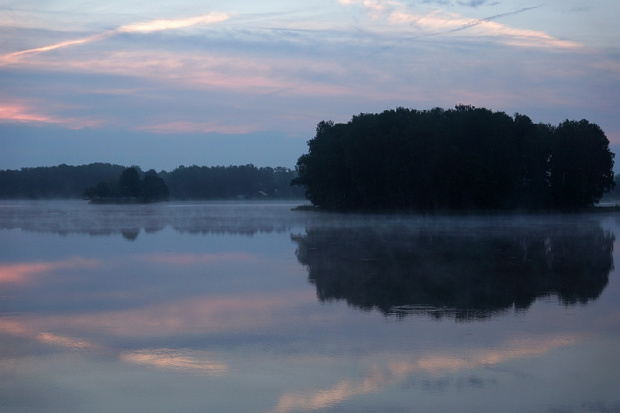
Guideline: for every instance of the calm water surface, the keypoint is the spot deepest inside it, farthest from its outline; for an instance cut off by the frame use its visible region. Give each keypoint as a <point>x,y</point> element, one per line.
<point>252,307</point>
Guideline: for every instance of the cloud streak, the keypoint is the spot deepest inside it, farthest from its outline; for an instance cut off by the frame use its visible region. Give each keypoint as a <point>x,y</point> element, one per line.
<point>25,114</point>
<point>440,23</point>
<point>145,27</point>
<point>173,24</point>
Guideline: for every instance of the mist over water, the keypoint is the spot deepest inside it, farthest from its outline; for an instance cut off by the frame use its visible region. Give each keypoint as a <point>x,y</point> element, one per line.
<point>254,307</point>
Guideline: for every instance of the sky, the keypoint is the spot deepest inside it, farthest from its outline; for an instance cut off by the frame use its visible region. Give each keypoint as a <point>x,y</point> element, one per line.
<point>161,84</point>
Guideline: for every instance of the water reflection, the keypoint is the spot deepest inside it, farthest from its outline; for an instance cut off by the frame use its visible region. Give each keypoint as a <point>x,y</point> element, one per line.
<point>69,217</point>
<point>222,322</point>
<point>24,273</point>
<point>467,273</point>
<point>399,368</point>
<point>187,361</point>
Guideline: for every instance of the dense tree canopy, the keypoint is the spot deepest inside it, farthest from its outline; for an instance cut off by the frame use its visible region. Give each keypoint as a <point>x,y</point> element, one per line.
<point>153,188</point>
<point>129,184</point>
<point>459,159</point>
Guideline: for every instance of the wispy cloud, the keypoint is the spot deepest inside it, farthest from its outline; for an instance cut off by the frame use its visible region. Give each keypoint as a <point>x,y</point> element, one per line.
<point>285,67</point>
<point>20,113</point>
<point>475,3</point>
<point>246,74</point>
<point>172,24</point>
<point>27,114</point>
<point>14,57</point>
<point>143,27</point>
<point>192,127</point>
<point>439,22</point>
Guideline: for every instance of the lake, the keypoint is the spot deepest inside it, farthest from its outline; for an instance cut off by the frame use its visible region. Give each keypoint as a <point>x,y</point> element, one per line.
<point>254,307</point>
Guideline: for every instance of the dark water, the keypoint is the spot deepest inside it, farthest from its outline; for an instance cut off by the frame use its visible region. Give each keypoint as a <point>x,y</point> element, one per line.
<point>252,307</point>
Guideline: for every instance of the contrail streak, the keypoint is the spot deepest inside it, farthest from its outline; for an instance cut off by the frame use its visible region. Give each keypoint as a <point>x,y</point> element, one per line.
<point>491,18</point>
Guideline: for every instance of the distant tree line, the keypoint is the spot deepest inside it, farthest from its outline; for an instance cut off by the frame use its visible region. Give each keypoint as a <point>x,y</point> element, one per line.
<point>193,182</point>
<point>464,158</point>
<point>130,187</point>
<point>62,181</point>
<point>219,182</point>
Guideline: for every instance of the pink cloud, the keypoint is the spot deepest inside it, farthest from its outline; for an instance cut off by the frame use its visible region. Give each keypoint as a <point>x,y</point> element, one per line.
<point>22,113</point>
<point>191,127</point>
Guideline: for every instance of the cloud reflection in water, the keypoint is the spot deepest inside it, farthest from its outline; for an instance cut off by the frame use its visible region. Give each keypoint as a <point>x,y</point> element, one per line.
<point>398,368</point>
<point>175,359</point>
<point>209,307</point>
<point>24,272</point>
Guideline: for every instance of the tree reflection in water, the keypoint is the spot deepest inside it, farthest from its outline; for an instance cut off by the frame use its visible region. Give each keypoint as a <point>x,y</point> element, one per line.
<point>465,274</point>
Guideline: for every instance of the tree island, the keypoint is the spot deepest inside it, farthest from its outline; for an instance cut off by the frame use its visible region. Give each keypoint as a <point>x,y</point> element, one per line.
<point>464,158</point>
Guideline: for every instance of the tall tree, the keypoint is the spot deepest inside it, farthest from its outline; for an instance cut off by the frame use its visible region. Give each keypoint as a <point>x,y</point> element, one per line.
<point>581,164</point>
<point>322,171</point>
<point>153,188</point>
<point>129,182</point>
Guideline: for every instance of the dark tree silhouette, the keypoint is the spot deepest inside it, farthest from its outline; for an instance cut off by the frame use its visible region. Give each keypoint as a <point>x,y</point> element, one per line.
<point>581,164</point>
<point>219,182</point>
<point>62,181</point>
<point>465,158</point>
<point>129,183</point>
<point>101,181</point>
<point>130,188</point>
<point>153,188</point>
